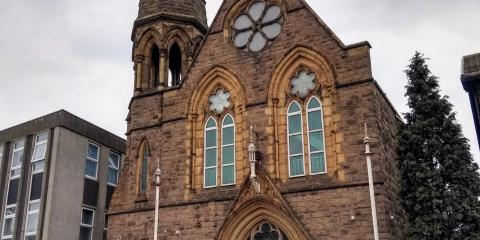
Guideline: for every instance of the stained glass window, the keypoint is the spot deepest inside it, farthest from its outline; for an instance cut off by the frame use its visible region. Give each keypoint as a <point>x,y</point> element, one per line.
<point>295,140</point>
<point>210,174</point>
<point>219,101</point>
<point>260,24</point>
<point>228,150</point>
<point>316,136</point>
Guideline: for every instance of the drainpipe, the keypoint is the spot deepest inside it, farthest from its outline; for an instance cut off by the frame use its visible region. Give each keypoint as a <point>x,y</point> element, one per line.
<point>366,141</point>
<point>158,173</point>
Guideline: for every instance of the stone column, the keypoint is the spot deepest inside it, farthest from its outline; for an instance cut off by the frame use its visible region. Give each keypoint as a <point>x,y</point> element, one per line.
<point>138,72</point>
<point>162,69</point>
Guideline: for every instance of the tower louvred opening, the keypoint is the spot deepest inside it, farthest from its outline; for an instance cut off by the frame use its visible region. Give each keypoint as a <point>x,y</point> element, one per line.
<point>155,65</point>
<point>175,65</point>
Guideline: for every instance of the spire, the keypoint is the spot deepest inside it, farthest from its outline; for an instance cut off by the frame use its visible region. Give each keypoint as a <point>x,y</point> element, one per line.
<point>193,10</point>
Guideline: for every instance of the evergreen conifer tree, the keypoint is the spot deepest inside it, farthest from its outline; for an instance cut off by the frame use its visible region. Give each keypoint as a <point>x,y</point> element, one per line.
<point>440,183</point>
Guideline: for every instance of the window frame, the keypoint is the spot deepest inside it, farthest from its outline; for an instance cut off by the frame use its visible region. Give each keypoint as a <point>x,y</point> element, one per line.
<point>20,149</point>
<point>300,112</point>
<point>84,225</point>
<point>31,212</point>
<point>116,168</point>
<point>144,157</point>
<point>10,216</point>
<point>228,145</point>
<point>310,153</point>
<point>205,148</point>
<point>92,160</point>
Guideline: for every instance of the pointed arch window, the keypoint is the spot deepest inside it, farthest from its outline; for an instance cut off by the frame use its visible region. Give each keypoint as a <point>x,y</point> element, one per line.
<point>228,150</point>
<point>155,66</point>
<point>313,133</point>
<point>210,173</point>
<point>316,139</point>
<point>174,66</point>
<point>143,177</point>
<point>295,140</point>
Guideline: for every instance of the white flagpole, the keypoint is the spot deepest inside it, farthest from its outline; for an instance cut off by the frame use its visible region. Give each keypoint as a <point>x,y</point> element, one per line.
<point>366,141</point>
<point>158,173</point>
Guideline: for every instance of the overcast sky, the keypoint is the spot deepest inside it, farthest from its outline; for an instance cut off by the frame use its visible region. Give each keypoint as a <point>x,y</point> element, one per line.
<point>75,54</point>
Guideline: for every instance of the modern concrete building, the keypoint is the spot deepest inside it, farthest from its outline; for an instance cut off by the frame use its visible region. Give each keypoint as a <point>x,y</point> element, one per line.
<point>57,175</point>
<point>471,84</point>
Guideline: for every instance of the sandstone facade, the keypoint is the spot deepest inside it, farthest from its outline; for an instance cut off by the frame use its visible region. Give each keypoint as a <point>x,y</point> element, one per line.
<point>169,121</point>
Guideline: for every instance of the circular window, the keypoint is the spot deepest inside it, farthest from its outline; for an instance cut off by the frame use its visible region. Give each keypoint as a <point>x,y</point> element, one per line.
<point>257,26</point>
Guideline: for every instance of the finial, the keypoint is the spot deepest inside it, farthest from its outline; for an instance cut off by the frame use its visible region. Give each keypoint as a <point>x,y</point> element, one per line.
<point>252,137</point>
<point>366,139</point>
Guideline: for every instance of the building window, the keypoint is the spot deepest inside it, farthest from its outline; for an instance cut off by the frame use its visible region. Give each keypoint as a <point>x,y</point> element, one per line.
<point>228,150</point>
<point>38,166</point>
<point>210,153</point>
<point>155,65</point>
<point>113,167</point>
<point>12,192</point>
<point>1,155</point>
<point>174,66</point>
<point>144,170</point>
<point>86,224</point>
<point>316,136</point>
<point>295,140</point>
<point>91,165</point>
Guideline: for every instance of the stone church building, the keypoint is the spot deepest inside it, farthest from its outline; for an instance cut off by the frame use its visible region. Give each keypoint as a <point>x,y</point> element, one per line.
<point>268,88</point>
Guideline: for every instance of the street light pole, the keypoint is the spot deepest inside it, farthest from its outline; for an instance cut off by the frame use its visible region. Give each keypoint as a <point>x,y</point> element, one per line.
<point>158,173</point>
<point>366,141</point>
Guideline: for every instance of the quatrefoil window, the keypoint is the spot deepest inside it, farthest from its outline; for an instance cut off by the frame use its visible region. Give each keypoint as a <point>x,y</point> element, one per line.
<point>219,101</point>
<point>303,84</point>
<point>260,24</point>
<point>267,231</point>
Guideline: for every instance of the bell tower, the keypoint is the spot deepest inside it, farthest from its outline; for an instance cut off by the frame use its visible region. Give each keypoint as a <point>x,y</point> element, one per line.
<point>166,36</point>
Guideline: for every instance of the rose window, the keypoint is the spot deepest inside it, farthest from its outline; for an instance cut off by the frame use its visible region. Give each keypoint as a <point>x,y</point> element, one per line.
<point>219,101</point>
<point>259,25</point>
<point>267,231</point>
<point>303,84</point>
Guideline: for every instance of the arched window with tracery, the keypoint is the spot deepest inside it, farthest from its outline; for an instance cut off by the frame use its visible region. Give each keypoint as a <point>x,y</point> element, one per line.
<point>228,150</point>
<point>143,168</point>
<point>266,231</point>
<point>305,106</point>
<point>210,160</point>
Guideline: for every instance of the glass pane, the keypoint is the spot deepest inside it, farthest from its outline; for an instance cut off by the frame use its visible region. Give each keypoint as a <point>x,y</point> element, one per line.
<point>42,137</point>
<point>13,191</point>
<point>314,103</point>
<point>256,10</point>
<point>144,166</point>
<point>211,138</point>
<point>8,227</point>
<point>85,233</point>
<point>258,42</point>
<point>241,39</point>
<point>10,211</point>
<point>15,172</point>
<point>228,120</point>
<point>211,123</point>
<point>296,165</point>
<point>36,187</point>
<point>318,162</point>
<point>91,168</point>
<point>242,22</point>
<point>228,175</point>
<point>19,144</point>
<point>316,141</point>
<point>294,107</point>
<point>92,151</point>
<point>303,83</point>
<point>112,176</point>
<point>228,135</point>
<point>211,157</point>
<point>294,124</point>
<point>31,237</point>
<point>272,31</point>
<point>32,223</point>
<point>17,159</point>
<point>39,152</point>
<point>210,177</point>
<point>228,155</point>
<point>143,183</point>
<point>315,120</point>
<point>34,206</point>
<point>271,14</point>
<point>87,216</point>
<point>113,160</point>
<point>38,166</point>
<point>295,144</point>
